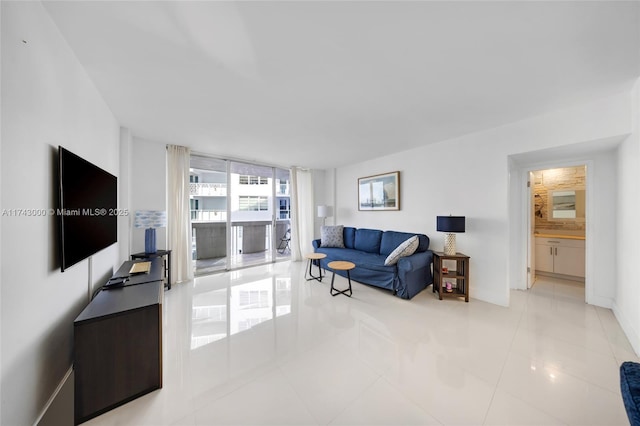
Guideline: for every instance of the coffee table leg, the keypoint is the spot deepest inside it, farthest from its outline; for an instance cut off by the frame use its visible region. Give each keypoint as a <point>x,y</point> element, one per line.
<point>337,292</point>
<point>309,276</point>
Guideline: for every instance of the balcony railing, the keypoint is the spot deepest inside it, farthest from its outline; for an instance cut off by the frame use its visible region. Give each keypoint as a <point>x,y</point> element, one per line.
<point>208,215</point>
<point>282,190</point>
<point>205,189</point>
<point>246,237</point>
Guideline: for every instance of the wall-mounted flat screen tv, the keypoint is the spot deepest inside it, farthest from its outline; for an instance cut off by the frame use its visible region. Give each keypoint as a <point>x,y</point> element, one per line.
<point>88,201</point>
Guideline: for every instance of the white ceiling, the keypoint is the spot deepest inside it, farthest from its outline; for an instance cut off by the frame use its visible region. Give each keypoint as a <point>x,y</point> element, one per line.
<point>323,84</point>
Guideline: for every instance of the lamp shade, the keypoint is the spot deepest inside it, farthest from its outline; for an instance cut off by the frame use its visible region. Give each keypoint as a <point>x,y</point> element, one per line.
<point>325,211</point>
<point>150,219</point>
<point>450,223</point>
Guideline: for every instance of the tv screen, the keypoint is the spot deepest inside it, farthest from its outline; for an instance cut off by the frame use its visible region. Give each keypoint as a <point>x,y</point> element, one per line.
<point>87,209</point>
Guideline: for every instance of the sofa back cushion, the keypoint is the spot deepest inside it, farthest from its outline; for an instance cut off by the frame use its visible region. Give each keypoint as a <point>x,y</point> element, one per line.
<point>392,239</point>
<point>368,240</point>
<point>349,237</point>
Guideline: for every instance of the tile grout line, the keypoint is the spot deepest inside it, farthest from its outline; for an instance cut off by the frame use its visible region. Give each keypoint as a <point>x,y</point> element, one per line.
<point>554,295</point>
<point>306,407</point>
<point>613,353</point>
<point>504,364</point>
<point>359,397</point>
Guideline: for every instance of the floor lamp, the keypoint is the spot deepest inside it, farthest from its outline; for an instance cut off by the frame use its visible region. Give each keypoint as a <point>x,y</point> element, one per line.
<point>324,212</point>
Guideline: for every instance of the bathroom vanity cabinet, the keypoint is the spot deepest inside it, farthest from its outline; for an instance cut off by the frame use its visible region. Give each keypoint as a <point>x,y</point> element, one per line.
<point>560,255</point>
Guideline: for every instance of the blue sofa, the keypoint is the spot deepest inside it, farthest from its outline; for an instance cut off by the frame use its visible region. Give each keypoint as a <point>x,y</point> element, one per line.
<point>369,248</point>
<point>630,389</point>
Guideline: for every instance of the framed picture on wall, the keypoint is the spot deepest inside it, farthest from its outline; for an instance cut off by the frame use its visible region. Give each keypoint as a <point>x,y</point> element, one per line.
<point>379,192</point>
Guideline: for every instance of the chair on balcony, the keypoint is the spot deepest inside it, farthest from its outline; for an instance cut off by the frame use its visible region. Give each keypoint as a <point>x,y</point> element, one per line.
<point>284,242</point>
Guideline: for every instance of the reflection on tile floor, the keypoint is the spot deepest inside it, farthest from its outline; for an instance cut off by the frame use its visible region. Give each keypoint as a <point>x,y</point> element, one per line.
<point>218,264</point>
<point>263,346</point>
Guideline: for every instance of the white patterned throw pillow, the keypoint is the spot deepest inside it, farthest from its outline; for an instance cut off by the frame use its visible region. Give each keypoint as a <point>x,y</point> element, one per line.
<point>332,236</point>
<point>407,248</point>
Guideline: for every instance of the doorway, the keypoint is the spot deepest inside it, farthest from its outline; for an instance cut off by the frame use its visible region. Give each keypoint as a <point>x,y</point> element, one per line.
<point>557,223</point>
<point>601,159</point>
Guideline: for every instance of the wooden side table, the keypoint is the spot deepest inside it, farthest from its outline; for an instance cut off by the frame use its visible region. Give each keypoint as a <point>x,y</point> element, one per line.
<point>460,274</point>
<point>341,265</point>
<point>158,253</point>
<point>314,258</point>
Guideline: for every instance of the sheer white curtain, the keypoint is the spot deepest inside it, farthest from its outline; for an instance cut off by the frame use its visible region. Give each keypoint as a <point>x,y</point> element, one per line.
<point>302,219</point>
<point>179,215</point>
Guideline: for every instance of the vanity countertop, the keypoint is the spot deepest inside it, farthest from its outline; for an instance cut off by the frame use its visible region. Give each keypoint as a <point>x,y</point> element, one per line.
<point>568,237</point>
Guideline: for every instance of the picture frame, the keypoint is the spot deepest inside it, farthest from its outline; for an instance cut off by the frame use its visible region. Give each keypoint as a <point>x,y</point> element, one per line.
<point>379,192</point>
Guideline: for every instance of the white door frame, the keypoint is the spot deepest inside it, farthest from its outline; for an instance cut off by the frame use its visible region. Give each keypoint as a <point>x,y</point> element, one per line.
<point>531,224</point>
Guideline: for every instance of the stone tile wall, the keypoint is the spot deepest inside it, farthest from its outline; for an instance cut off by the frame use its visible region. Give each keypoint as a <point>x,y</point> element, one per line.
<point>552,180</point>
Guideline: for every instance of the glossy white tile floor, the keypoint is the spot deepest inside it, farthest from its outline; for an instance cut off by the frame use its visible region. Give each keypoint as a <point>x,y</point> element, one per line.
<point>262,346</point>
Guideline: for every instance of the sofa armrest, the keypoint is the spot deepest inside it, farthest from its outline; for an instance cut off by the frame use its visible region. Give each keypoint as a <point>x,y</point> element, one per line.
<point>414,274</point>
<point>630,389</point>
<point>415,261</point>
<point>316,244</point>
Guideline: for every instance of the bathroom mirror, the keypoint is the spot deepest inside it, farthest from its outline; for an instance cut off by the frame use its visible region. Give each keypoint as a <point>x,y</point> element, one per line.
<point>567,205</point>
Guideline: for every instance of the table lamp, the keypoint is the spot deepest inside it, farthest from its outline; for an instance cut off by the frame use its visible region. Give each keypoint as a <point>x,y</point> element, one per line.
<point>451,225</point>
<point>325,212</point>
<point>150,219</point>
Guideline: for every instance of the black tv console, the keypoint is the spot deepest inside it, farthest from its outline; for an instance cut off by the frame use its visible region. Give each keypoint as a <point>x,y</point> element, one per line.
<point>118,344</point>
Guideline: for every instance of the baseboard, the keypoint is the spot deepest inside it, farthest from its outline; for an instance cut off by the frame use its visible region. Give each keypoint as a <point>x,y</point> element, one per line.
<point>628,329</point>
<point>560,276</point>
<point>602,302</point>
<point>53,396</point>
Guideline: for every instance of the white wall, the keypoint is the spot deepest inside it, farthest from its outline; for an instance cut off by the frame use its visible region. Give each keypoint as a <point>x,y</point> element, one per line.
<point>1,207</point>
<point>327,193</point>
<point>469,176</point>
<point>601,229</point>
<point>627,299</point>
<point>125,222</point>
<point>148,187</point>
<point>47,100</point>
<point>319,178</point>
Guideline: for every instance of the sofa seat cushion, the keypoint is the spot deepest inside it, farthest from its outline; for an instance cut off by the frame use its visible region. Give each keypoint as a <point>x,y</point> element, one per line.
<point>371,261</point>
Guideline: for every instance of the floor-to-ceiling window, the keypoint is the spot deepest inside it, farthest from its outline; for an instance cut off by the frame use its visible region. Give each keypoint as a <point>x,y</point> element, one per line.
<point>240,214</point>
<point>209,212</point>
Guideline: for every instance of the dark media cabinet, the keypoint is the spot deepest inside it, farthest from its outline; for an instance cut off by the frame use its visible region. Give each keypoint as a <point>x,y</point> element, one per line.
<point>118,344</point>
